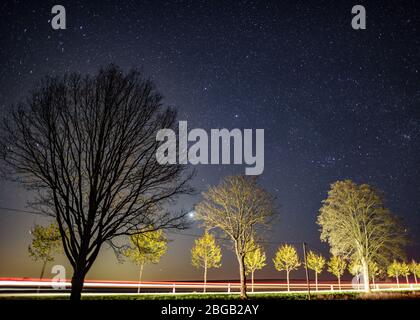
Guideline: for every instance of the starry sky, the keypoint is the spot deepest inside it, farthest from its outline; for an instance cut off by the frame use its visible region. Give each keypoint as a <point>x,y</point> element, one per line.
<point>335,103</point>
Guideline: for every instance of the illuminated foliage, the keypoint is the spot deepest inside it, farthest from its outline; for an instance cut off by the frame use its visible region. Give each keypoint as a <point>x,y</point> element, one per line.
<point>315,262</point>
<point>286,259</point>
<point>336,266</point>
<point>374,270</point>
<point>355,268</point>
<point>394,270</point>
<point>206,254</point>
<point>356,224</point>
<point>238,206</point>
<point>146,247</point>
<point>415,269</point>
<point>254,260</point>
<point>46,242</point>
<point>405,270</point>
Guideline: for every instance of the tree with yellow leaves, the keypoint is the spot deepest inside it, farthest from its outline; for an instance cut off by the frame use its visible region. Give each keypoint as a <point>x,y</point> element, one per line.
<point>315,262</point>
<point>254,260</point>
<point>336,266</point>
<point>405,271</point>
<point>239,207</point>
<point>374,271</point>
<point>146,247</point>
<point>415,269</point>
<point>355,269</point>
<point>358,226</point>
<point>394,270</point>
<point>286,259</point>
<point>206,254</point>
<point>46,242</point>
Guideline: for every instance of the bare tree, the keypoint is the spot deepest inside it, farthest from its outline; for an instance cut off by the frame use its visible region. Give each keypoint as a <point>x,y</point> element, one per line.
<point>87,145</point>
<point>239,207</point>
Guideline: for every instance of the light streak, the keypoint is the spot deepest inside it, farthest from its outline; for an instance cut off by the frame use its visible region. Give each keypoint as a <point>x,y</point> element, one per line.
<point>10,283</point>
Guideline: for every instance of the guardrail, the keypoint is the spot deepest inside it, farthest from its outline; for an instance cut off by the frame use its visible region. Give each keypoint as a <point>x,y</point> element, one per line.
<point>25,285</point>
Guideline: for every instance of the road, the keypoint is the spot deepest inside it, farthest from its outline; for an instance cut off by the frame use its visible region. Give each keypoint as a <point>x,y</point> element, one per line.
<point>24,286</point>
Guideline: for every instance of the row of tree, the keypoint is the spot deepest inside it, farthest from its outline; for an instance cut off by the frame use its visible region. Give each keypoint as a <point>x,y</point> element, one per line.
<point>207,254</point>
<point>149,247</point>
<point>86,146</point>
<point>354,222</point>
<point>402,269</point>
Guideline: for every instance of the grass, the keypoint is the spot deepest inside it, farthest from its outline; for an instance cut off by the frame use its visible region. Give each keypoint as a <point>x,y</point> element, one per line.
<point>264,296</point>
<point>267,296</point>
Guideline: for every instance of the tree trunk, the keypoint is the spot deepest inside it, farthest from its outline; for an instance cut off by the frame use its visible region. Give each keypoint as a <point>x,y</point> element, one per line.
<point>43,269</point>
<point>373,281</point>
<point>366,284</point>
<point>316,281</point>
<point>415,278</point>
<point>242,276</point>
<point>140,275</point>
<point>205,278</point>
<point>398,281</point>
<point>339,283</point>
<point>252,281</point>
<point>77,282</point>
<point>42,275</point>
<point>406,278</point>
<point>288,281</point>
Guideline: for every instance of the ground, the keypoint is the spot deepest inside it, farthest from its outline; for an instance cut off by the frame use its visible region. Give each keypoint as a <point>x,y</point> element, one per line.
<point>407,295</point>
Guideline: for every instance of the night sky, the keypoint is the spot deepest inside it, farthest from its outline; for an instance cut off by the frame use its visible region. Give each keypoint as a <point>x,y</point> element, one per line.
<point>335,103</point>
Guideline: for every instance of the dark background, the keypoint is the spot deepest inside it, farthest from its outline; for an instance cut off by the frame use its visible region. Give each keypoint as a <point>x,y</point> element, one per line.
<point>335,103</point>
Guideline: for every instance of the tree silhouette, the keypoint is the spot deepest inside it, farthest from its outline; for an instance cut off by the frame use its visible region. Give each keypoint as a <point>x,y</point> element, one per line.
<point>87,145</point>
